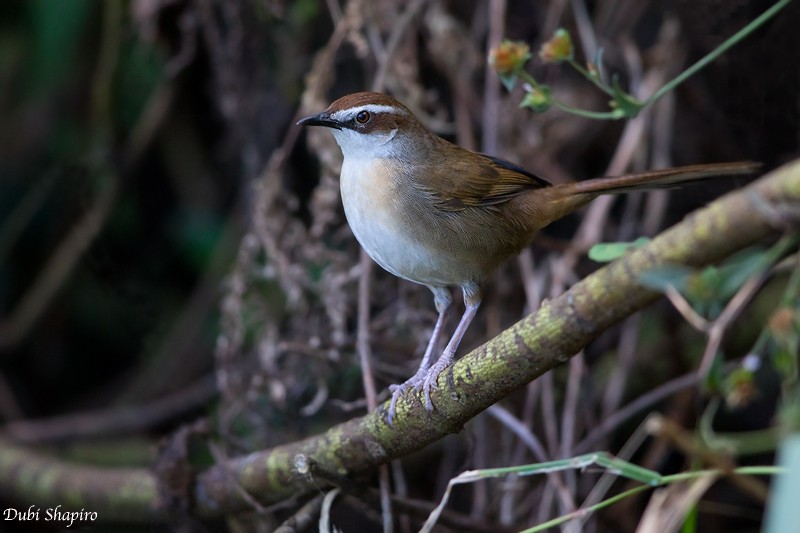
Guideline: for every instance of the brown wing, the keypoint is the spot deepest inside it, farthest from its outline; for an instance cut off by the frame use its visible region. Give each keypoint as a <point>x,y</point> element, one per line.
<point>492,181</point>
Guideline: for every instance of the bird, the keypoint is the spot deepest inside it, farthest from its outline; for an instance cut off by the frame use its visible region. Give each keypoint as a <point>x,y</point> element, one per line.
<point>434,213</point>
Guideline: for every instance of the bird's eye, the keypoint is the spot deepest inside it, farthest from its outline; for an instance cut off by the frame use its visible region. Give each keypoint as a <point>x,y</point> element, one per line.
<point>363,117</point>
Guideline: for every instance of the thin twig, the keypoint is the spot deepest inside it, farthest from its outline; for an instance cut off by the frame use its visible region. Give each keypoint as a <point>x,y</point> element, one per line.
<point>626,356</point>
<point>607,478</point>
<point>686,310</point>
<point>59,266</point>
<point>303,517</point>
<point>535,446</point>
<point>683,440</point>
<point>717,329</point>
<point>398,31</point>
<point>569,416</point>
<point>112,421</point>
<point>221,460</point>
<point>491,87</point>
<point>362,331</point>
<point>640,404</point>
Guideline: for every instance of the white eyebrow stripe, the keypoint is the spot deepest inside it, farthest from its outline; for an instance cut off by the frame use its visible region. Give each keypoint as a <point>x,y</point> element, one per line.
<point>347,114</point>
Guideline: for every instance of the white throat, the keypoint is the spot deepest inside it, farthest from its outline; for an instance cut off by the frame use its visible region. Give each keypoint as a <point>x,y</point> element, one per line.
<point>357,145</point>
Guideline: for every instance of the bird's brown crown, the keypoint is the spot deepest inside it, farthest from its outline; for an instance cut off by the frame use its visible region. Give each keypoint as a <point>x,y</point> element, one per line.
<point>367,99</point>
<point>368,112</point>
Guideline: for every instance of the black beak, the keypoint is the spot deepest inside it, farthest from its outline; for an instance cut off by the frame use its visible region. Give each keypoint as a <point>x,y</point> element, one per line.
<point>320,119</point>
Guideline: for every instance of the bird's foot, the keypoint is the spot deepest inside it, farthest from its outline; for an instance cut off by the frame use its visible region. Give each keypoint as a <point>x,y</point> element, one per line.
<point>423,379</point>
<point>398,390</point>
<point>429,383</point>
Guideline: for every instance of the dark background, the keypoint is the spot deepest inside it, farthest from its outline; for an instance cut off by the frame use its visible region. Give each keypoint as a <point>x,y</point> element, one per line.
<point>138,138</point>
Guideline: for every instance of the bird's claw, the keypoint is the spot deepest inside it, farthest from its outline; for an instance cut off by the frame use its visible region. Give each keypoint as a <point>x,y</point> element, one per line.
<point>426,381</point>
<point>400,389</point>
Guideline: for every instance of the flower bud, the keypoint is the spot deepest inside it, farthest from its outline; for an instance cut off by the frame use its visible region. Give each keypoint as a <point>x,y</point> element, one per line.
<point>537,98</point>
<point>509,56</point>
<point>558,48</point>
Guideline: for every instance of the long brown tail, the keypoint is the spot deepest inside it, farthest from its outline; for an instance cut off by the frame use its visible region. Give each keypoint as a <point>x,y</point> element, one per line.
<point>656,179</point>
<point>551,203</point>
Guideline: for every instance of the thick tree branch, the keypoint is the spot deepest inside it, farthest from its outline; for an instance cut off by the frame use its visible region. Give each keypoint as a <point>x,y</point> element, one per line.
<point>117,494</point>
<point>536,344</point>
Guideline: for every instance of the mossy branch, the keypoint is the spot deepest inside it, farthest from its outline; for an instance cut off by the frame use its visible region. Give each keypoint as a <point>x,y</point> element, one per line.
<point>536,344</point>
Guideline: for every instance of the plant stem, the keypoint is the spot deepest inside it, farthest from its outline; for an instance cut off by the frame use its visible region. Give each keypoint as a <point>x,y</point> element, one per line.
<point>714,54</point>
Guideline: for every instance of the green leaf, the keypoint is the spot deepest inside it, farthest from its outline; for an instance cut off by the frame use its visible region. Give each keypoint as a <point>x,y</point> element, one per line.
<point>623,101</point>
<point>508,80</point>
<point>604,460</point>
<point>606,252</point>
<point>715,377</point>
<point>662,278</point>
<point>538,99</point>
<point>737,269</point>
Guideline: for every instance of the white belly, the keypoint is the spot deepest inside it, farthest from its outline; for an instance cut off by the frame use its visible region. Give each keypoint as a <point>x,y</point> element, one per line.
<point>376,217</point>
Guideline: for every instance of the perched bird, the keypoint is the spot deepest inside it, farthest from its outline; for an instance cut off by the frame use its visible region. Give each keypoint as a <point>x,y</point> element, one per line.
<point>437,214</point>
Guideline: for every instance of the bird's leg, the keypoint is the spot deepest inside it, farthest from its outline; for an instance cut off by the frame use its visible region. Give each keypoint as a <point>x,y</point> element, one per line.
<point>472,300</point>
<point>442,300</point>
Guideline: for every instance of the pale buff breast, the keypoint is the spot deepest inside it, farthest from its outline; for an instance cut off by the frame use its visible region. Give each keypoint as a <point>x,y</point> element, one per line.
<point>391,226</point>
<point>389,230</point>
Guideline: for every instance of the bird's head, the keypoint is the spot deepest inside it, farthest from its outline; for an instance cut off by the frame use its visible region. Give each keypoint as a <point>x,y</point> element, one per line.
<point>368,124</point>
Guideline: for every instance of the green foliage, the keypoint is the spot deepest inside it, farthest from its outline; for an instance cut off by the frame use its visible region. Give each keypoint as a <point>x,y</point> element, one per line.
<point>710,288</point>
<point>613,465</point>
<point>304,11</point>
<point>538,98</point>
<point>559,48</point>
<point>622,102</point>
<point>605,252</point>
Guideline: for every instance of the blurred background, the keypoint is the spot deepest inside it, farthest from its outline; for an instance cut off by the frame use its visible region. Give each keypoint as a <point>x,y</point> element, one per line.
<point>172,247</point>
